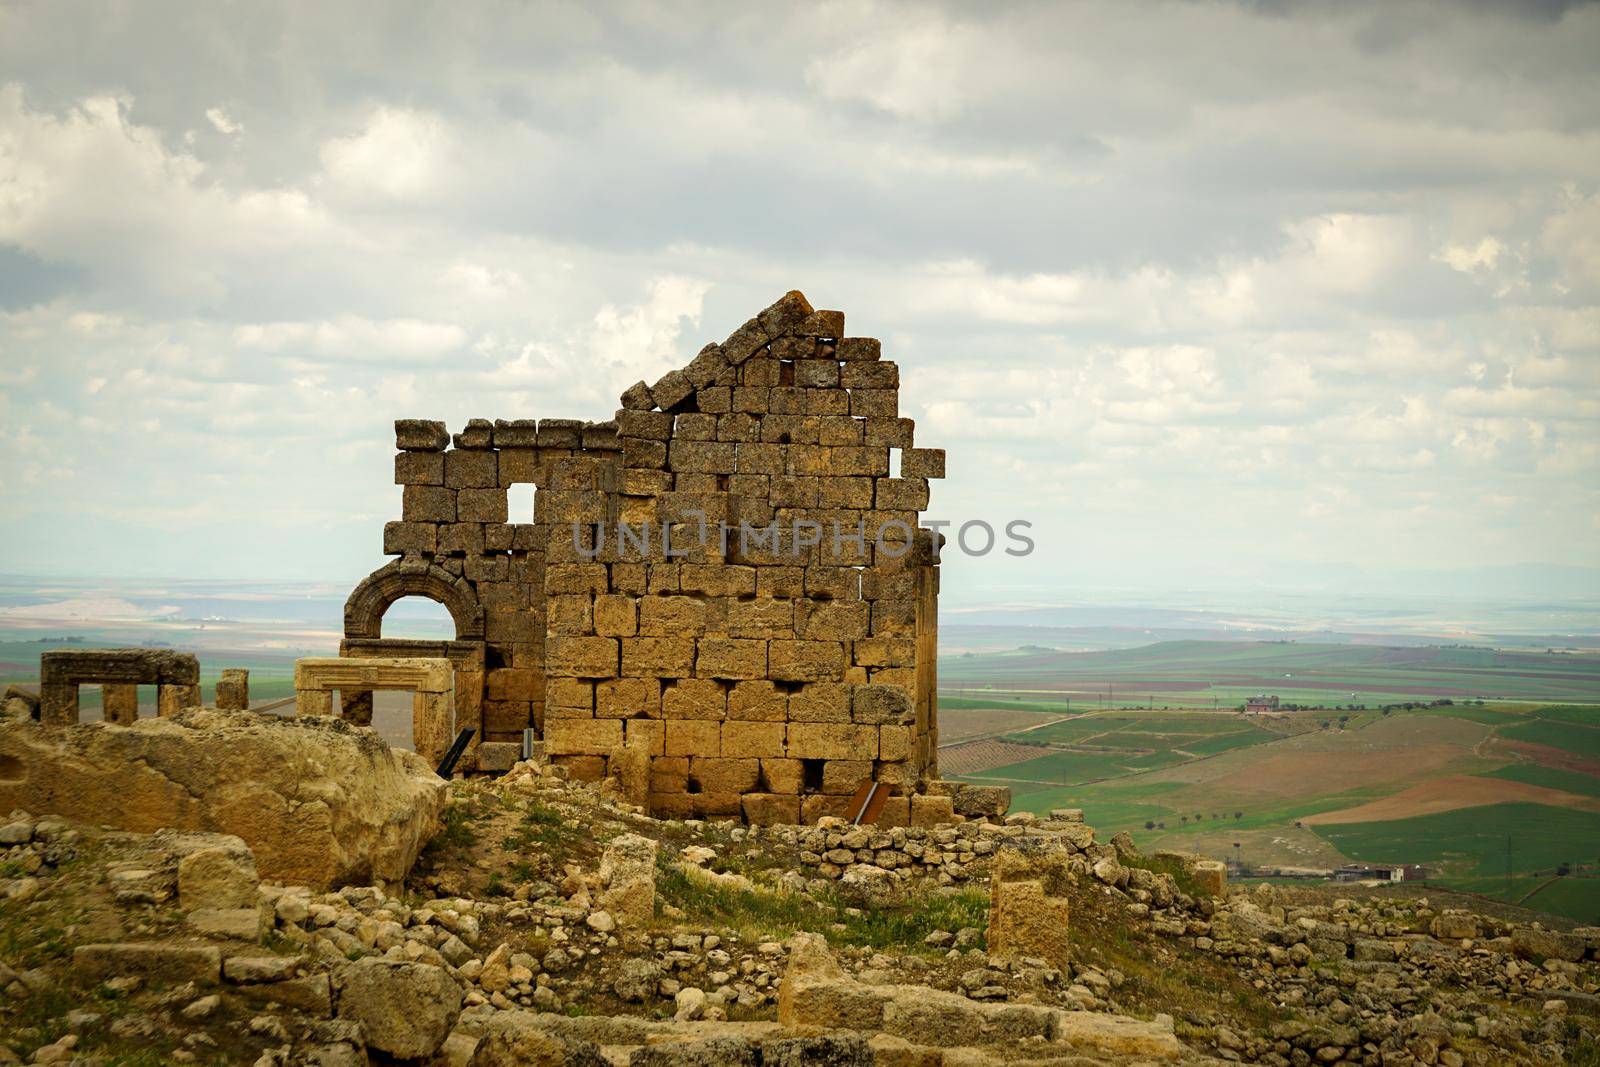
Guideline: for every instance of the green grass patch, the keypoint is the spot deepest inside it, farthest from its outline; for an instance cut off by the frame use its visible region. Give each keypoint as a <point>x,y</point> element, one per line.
<point>1557,733</point>
<point>766,914</point>
<point>1550,777</point>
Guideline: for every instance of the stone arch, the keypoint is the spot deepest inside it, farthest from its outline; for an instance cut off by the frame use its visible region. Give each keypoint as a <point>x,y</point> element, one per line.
<point>363,612</point>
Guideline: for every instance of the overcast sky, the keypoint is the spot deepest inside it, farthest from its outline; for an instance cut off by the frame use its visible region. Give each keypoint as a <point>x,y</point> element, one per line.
<point>1212,294</point>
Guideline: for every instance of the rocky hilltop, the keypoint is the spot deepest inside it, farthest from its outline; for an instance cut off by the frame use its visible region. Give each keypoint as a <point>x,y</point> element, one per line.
<point>551,922</point>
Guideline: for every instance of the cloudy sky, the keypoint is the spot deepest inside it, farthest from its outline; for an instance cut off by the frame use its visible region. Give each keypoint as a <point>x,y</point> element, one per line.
<point>1211,294</point>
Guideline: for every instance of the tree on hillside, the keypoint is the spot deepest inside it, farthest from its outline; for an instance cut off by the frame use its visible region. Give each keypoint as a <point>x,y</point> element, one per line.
<point>1149,824</point>
<point>1238,815</point>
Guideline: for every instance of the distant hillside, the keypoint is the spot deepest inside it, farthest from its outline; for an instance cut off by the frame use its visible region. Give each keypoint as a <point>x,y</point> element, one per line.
<point>1198,672</point>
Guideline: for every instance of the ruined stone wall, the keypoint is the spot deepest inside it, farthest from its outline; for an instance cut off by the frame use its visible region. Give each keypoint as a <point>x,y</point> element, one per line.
<point>637,625</point>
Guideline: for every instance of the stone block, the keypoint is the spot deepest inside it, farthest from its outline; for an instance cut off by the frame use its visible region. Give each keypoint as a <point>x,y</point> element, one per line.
<point>232,690</point>
<point>922,463</point>
<point>901,494</point>
<point>882,705</point>
<point>762,617</point>
<point>844,776</point>
<point>832,620</point>
<point>641,452</point>
<point>693,737</point>
<point>413,538</point>
<point>460,538</point>
<point>239,924</point>
<point>671,389</point>
<point>471,469</point>
<point>754,739</point>
<point>829,324</point>
<point>419,468</point>
<point>870,374</point>
<point>581,657</point>
<point>120,703</point>
<point>783,775</point>
<point>896,811</point>
<point>497,757</point>
<point>720,774</point>
<point>669,774</point>
<point>1024,921</point>
<point>637,397</point>
<point>805,661</point>
<point>579,737</point>
<point>651,425</point>
<point>646,735</point>
<point>515,433</point>
<point>173,699</point>
<point>694,698</point>
<point>757,701</point>
<point>160,961</point>
<point>628,698</point>
<point>569,698</point>
<point>671,616</point>
<point>511,683</point>
<point>657,657</point>
<point>477,434</point>
<point>820,702</point>
<point>731,658</point>
<point>826,740</point>
<point>929,811</point>
<point>859,348</point>
<point>899,744</point>
<point>771,809</point>
<point>420,435</point>
<point>560,433</point>
<point>979,801</point>
<point>581,768</point>
<point>428,503</point>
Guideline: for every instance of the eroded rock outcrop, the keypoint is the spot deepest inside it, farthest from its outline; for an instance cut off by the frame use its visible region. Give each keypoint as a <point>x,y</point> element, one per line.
<point>319,802</point>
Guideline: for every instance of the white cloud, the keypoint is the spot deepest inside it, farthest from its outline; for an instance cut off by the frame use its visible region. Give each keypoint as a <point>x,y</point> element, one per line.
<point>1205,261</point>
<point>400,154</point>
<point>221,122</point>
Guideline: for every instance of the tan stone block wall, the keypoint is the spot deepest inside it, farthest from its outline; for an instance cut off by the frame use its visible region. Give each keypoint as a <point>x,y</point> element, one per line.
<point>781,666</point>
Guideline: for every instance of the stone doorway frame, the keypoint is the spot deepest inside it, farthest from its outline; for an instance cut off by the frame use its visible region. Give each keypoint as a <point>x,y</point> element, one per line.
<point>431,682</point>
<point>466,657</point>
<point>119,672</point>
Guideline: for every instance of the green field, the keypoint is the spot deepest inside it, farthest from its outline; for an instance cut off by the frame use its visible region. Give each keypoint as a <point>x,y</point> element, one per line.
<point>1098,746</point>
<point>1562,733</point>
<point>1550,777</point>
<point>1472,841</point>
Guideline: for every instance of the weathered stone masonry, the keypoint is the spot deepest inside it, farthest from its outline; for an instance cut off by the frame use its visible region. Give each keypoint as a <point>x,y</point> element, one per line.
<point>763,678</point>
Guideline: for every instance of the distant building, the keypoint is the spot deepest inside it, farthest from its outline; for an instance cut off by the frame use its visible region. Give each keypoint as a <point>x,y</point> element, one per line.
<point>1262,705</point>
<point>1380,872</point>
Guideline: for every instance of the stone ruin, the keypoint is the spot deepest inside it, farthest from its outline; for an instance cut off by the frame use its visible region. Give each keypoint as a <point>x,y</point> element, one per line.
<point>722,597</point>
<point>119,672</point>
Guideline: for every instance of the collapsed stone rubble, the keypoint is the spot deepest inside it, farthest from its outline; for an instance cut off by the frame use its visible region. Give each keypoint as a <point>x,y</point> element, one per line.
<point>589,955</point>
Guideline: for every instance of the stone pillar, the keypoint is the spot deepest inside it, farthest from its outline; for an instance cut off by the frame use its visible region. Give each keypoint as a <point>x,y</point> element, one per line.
<point>171,698</point>
<point>432,719</point>
<point>58,703</point>
<point>313,702</point>
<point>355,706</point>
<point>1028,910</point>
<point>233,689</point>
<point>120,703</point>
